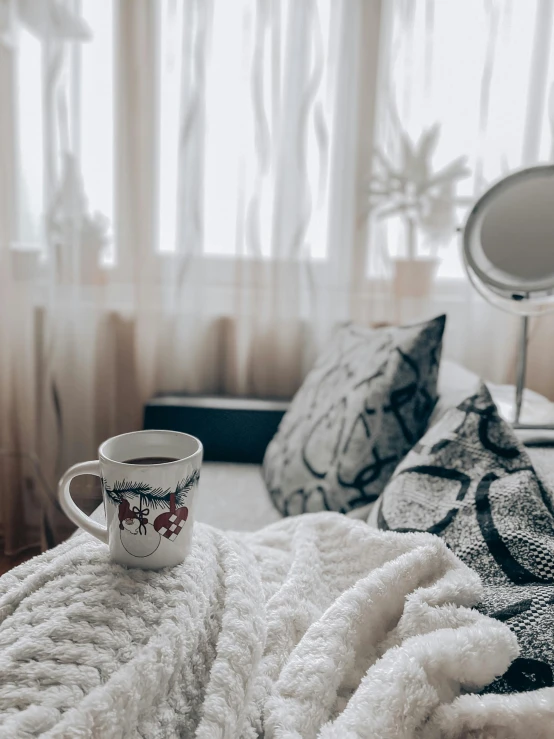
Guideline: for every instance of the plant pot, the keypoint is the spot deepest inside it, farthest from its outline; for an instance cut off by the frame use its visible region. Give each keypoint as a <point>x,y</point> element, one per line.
<point>26,263</point>
<point>413,278</point>
<point>87,270</point>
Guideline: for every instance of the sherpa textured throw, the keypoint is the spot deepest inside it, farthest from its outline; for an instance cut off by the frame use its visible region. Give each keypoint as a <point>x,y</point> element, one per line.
<point>316,626</point>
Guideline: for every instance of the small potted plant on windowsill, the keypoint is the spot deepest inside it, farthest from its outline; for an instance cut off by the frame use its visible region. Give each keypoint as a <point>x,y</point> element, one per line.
<point>425,200</point>
<point>77,238</point>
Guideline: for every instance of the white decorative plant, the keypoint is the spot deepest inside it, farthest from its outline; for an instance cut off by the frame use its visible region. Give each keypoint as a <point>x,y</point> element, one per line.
<point>425,199</point>
<point>78,236</point>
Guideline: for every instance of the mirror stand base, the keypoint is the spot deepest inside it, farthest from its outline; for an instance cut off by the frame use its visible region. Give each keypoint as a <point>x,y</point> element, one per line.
<point>532,434</point>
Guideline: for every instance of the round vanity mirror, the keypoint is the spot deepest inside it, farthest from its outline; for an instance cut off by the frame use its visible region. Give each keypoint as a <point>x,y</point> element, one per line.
<point>509,242</point>
<point>508,250</point>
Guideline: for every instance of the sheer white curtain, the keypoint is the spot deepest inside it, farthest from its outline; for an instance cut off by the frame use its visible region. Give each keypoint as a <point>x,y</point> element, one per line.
<point>221,141</point>
<point>183,199</point>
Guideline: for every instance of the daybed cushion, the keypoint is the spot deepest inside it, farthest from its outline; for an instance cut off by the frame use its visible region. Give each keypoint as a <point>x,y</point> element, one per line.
<point>234,496</point>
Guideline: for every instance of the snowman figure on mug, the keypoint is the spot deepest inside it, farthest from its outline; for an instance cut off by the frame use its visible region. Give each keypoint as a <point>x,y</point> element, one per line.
<point>138,537</point>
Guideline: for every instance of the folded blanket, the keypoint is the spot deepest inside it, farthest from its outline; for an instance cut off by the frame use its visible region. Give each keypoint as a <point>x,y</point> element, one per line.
<point>314,626</point>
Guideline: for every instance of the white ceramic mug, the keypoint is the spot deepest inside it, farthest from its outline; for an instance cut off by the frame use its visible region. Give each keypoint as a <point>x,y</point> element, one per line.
<point>149,504</point>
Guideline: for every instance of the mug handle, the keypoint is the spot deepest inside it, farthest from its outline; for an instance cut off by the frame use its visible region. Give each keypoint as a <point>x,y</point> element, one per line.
<point>68,506</point>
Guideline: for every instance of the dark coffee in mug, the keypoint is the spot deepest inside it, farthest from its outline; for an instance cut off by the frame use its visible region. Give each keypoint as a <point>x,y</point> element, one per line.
<point>150,460</point>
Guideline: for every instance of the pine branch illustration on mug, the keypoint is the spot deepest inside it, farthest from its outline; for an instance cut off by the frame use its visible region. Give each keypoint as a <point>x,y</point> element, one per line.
<point>153,497</point>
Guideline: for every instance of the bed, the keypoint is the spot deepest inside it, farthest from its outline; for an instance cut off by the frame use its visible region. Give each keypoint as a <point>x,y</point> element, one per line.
<point>316,625</point>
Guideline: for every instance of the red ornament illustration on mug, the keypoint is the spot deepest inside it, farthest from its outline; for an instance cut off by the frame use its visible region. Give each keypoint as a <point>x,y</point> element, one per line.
<point>170,524</point>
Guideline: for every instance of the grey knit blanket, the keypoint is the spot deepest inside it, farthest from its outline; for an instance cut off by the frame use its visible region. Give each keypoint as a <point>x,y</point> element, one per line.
<point>316,626</point>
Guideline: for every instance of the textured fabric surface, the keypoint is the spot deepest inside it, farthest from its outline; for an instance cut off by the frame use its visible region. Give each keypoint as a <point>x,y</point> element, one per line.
<point>471,482</point>
<point>314,626</point>
<point>361,408</point>
<point>234,496</point>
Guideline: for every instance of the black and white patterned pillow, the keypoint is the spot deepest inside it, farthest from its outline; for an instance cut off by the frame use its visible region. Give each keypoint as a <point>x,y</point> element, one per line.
<point>360,409</point>
<point>472,483</point>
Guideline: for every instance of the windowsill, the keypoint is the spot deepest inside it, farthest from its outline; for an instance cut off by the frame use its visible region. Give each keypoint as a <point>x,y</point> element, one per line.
<point>29,263</point>
<point>169,282</point>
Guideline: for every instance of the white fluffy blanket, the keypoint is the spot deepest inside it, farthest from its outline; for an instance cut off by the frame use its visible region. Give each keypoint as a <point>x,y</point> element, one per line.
<point>316,626</point>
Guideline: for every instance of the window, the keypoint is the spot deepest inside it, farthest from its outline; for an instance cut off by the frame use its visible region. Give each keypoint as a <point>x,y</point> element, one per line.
<point>29,154</point>
<point>481,71</point>
<point>238,112</point>
<point>236,116</point>
<point>77,116</point>
<point>94,69</point>
<point>224,136</point>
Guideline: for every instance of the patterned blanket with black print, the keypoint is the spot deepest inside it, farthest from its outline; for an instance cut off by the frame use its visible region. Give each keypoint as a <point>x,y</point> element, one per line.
<point>471,482</point>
